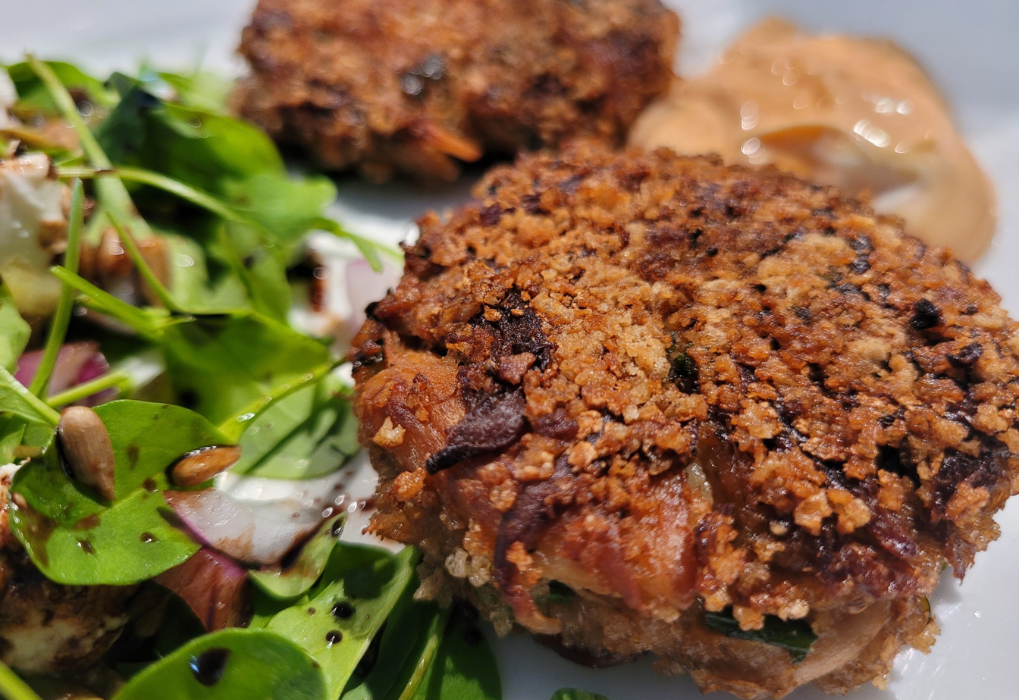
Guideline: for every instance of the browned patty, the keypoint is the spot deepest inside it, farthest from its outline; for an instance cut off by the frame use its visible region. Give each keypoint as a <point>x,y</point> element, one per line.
<point>679,387</point>
<point>414,86</point>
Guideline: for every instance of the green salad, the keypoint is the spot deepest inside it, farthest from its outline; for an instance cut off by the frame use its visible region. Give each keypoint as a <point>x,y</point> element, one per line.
<point>152,249</point>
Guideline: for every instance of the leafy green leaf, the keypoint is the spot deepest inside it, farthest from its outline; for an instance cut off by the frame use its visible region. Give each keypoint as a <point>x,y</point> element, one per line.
<point>202,282</point>
<point>75,537</point>
<point>370,581</point>
<point>287,208</point>
<point>574,694</point>
<point>231,664</point>
<point>297,579</point>
<point>201,148</point>
<point>123,133</point>
<point>146,322</point>
<point>400,644</point>
<point>259,265</point>
<point>12,432</point>
<point>16,400</point>
<point>15,333</point>
<point>224,362</point>
<point>33,94</point>
<point>201,89</point>
<point>464,666</point>
<point>795,636</point>
<point>128,542</point>
<point>310,433</point>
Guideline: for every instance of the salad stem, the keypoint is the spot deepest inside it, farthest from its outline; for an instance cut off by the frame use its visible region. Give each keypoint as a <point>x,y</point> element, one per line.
<point>434,636</point>
<point>12,687</point>
<point>112,192</point>
<point>118,380</point>
<point>62,316</point>
<point>167,184</point>
<point>104,302</point>
<point>214,206</point>
<point>144,269</point>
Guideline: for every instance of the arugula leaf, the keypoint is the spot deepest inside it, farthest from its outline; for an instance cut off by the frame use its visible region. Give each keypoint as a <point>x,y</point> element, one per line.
<point>296,579</point>
<point>204,282</point>
<point>310,433</point>
<point>259,264</point>
<point>111,193</point>
<point>16,400</point>
<point>122,134</point>
<point>464,666</point>
<point>399,646</point>
<point>75,537</point>
<point>16,330</point>
<point>146,322</point>
<point>33,94</point>
<point>201,89</point>
<point>795,636</point>
<point>219,363</point>
<point>286,208</point>
<point>12,432</point>
<point>574,694</point>
<point>233,663</point>
<point>198,147</point>
<point>367,579</point>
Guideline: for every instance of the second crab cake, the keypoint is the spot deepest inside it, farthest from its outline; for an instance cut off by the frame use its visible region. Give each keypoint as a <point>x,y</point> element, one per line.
<point>638,402</point>
<point>415,86</point>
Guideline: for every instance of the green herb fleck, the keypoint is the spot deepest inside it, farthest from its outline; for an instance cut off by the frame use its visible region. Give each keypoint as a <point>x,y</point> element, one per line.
<point>795,636</point>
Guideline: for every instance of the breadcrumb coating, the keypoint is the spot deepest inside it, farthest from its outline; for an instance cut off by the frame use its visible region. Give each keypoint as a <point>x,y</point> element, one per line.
<point>416,86</point>
<point>678,387</point>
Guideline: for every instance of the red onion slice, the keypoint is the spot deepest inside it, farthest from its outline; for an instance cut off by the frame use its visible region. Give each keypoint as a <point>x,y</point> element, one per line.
<point>250,532</point>
<point>76,364</point>
<point>213,585</point>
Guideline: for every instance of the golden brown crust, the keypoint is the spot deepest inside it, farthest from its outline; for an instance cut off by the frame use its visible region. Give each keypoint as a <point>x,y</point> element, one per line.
<point>414,86</point>
<point>733,389</point>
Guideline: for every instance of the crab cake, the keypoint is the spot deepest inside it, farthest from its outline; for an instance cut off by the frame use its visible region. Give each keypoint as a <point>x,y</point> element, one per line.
<point>414,86</point>
<point>640,402</point>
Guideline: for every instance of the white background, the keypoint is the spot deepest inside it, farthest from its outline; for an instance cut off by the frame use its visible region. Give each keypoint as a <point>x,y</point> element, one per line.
<point>972,51</point>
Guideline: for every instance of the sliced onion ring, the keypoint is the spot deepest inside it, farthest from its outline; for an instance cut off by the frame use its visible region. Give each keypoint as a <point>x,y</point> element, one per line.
<point>213,585</point>
<point>76,364</point>
<point>250,532</point>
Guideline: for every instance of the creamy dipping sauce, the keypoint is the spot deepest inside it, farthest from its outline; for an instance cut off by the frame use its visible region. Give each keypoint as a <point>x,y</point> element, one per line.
<point>860,114</point>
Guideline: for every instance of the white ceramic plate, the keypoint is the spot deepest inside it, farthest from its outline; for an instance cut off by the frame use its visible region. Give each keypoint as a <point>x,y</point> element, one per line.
<point>970,49</point>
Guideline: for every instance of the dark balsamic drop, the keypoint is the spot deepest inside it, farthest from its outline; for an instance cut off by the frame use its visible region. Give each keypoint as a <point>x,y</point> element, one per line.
<point>343,611</point>
<point>334,637</point>
<point>147,537</point>
<point>209,666</point>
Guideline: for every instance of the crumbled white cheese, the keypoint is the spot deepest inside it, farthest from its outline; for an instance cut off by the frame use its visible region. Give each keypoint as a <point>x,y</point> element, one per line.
<point>7,472</point>
<point>32,231</point>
